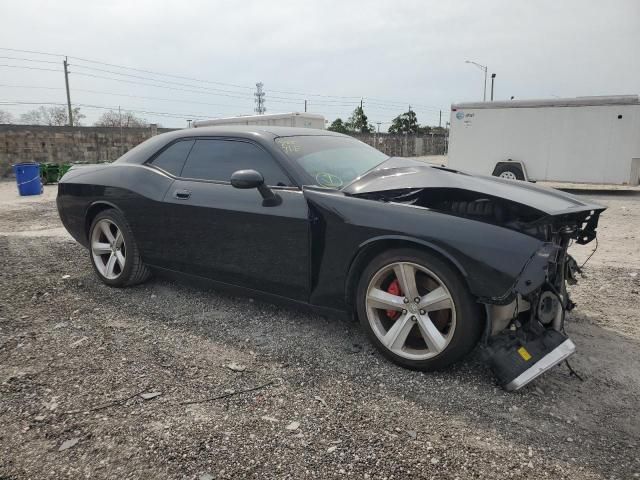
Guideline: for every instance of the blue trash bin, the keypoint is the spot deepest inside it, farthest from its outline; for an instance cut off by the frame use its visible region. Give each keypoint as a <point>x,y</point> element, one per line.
<point>28,178</point>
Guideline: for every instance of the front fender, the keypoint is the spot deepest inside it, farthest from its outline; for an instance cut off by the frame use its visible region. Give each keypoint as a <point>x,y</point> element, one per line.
<point>490,257</point>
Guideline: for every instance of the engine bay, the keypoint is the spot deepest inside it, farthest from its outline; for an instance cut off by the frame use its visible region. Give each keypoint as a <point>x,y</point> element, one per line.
<point>495,210</point>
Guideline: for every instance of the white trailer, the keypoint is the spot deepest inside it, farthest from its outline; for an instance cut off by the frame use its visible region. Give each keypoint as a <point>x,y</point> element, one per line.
<point>293,119</point>
<point>577,140</point>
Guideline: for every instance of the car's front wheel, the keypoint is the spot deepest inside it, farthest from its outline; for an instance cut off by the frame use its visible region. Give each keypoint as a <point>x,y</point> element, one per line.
<point>113,250</point>
<point>417,309</point>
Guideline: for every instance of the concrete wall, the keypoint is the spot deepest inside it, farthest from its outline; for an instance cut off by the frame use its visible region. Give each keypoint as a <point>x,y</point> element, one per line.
<point>405,145</point>
<point>33,143</point>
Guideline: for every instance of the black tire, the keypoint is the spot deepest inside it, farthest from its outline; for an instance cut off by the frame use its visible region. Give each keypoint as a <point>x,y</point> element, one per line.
<point>469,316</point>
<point>134,271</point>
<point>513,169</point>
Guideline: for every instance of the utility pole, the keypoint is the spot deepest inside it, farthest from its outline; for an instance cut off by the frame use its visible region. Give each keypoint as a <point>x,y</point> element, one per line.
<point>260,108</point>
<point>493,77</point>
<point>378,123</point>
<point>360,104</point>
<point>66,82</point>
<point>440,121</point>
<point>305,106</point>
<point>120,121</point>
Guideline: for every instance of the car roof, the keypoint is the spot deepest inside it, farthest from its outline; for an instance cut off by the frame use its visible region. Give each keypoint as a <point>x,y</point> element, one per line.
<point>254,130</point>
<point>262,134</point>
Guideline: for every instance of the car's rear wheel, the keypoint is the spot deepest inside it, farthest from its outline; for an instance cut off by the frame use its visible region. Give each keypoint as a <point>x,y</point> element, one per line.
<point>113,250</point>
<point>417,309</point>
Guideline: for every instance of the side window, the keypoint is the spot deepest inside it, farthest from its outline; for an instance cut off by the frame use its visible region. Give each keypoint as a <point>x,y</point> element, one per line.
<point>218,159</point>
<point>172,158</point>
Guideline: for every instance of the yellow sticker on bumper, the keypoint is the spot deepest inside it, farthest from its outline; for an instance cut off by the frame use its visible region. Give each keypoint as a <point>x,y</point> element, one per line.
<point>526,356</point>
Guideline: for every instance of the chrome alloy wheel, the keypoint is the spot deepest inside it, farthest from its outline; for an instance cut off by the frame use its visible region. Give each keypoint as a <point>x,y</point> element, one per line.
<point>420,322</point>
<point>108,249</point>
<point>508,175</point>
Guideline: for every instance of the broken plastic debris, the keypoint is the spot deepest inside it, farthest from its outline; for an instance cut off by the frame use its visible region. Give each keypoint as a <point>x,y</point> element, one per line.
<point>236,367</point>
<point>293,426</point>
<point>68,444</point>
<point>150,395</point>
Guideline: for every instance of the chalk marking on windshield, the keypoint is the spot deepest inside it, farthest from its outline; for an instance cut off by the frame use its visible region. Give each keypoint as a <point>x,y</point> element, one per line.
<point>290,146</point>
<point>329,180</point>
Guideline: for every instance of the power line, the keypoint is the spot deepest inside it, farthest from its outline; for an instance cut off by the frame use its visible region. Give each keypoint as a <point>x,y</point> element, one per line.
<point>389,102</point>
<point>369,99</point>
<point>153,79</point>
<point>161,74</point>
<point>217,83</point>
<point>203,91</point>
<point>102,92</point>
<point>206,90</point>
<point>31,51</point>
<point>104,107</point>
<point>30,68</point>
<point>113,108</point>
<point>380,105</point>
<point>30,60</point>
<point>290,100</point>
<point>143,97</point>
<point>122,80</point>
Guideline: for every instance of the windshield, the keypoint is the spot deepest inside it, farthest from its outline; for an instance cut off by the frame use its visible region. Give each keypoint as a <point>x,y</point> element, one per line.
<point>332,162</point>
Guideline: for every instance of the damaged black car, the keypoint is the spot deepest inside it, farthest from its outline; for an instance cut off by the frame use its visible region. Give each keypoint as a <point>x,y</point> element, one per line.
<point>431,260</point>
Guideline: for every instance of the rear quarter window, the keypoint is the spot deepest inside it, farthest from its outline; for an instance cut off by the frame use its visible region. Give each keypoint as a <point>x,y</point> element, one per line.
<point>172,158</point>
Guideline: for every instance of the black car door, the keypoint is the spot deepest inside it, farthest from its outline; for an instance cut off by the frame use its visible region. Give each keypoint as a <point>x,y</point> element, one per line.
<point>227,234</point>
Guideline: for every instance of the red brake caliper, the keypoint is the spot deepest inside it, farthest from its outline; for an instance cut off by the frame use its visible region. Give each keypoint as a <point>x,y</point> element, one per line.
<point>394,289</point>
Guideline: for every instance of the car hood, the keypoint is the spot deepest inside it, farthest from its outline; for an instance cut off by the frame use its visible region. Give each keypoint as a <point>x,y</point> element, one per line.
<point>403,173</point>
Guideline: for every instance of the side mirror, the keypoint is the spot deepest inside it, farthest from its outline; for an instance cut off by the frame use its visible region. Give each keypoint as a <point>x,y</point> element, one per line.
<point>251,179</point>
<point>247,179</point>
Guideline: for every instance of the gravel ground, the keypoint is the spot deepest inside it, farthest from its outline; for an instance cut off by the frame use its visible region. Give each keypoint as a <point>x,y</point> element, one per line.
<point>79,362</point>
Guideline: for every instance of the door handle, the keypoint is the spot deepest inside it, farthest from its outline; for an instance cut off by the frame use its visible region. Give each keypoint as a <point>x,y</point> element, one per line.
<point>182,194</point>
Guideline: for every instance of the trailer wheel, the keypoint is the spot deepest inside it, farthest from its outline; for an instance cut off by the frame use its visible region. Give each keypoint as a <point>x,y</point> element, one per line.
<point>510,171</point>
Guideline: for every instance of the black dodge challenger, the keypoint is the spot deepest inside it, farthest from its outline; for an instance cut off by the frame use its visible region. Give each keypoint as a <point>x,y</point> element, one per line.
<point>431,260</point>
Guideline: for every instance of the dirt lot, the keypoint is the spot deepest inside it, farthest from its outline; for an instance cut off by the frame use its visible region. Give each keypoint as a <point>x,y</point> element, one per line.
<point>76,355</point>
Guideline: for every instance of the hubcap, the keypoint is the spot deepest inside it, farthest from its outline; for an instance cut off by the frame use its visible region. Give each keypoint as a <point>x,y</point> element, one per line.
<point>508,175</point>
<point>425,324</point>
<point>108,249</point>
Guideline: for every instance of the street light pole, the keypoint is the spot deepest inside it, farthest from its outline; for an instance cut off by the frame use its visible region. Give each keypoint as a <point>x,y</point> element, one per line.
<point>493,77</point>
<point>484,69</point>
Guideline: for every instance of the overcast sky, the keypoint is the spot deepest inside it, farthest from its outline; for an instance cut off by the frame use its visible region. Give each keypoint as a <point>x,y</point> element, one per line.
<point>391,53</point>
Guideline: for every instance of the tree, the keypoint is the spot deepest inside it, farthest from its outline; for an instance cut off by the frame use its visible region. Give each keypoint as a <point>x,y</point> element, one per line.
<point>5,117</point>
<point>338,126</point>
<point>51,116</point>
<point>358,122</point>
<point>406,122</point>
<point>438,130</point>
<point>125,119</point>
<point>32,117</point>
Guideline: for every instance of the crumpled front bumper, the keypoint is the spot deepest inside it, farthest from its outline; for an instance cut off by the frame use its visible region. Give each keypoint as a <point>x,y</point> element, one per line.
<point>526,337</point>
